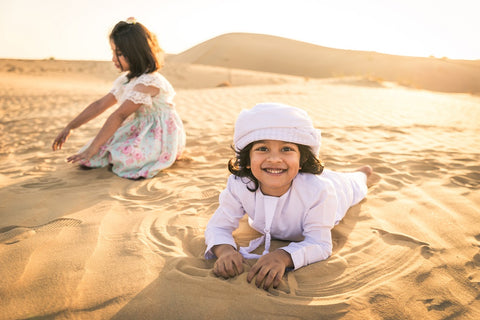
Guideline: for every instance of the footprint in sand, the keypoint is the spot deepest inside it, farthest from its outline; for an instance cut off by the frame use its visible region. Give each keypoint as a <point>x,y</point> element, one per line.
<point>13,234</point>
<point>399,237</point>
<point>434,304</point>
<point>389,237</point>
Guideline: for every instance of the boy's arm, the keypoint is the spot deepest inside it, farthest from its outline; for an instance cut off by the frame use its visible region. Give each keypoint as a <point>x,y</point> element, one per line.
<point>317,231</point>
<point>225,219</point>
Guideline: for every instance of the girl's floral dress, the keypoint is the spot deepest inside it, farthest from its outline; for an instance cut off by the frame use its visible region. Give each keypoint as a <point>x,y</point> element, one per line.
<point>151,139</point>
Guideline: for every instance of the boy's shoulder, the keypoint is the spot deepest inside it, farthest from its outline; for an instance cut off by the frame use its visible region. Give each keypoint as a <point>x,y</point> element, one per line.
<point>239,183</point>
<point>237,189</point>
<point>310,183</point>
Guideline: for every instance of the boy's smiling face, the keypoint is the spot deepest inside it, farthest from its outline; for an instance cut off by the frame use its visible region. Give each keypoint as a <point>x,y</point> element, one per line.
<point>274,163</point>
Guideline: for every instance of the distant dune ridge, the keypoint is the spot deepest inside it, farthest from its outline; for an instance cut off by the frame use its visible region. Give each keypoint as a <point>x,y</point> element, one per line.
<point>284,56</point>
<point>86,244</point>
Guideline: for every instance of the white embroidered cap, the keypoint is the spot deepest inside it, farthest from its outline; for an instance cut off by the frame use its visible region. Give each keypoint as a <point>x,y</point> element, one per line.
<point>275,121</point>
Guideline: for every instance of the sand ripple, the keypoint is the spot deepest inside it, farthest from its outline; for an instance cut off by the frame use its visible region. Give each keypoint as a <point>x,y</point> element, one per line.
<point>87,244</point>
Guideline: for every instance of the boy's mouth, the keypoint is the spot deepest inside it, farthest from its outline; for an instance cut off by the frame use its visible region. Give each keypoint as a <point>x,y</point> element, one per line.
<point>274,170</point>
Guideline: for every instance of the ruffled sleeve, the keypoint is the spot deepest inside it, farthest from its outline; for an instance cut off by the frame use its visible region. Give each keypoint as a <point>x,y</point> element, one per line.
<point>149,80</point>
<point>158,81</point>
<point>139,97</point>
<point>118,86</point>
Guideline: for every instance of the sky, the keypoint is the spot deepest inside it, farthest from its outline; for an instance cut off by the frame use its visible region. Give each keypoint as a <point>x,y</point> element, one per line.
<point>78,29</point>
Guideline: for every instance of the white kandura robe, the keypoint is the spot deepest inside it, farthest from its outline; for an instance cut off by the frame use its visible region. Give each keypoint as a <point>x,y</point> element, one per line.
<point>305,214</point>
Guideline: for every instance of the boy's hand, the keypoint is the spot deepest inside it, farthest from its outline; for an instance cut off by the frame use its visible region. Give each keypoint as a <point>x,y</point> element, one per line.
<point>270,269</point>
<point>229,263</point>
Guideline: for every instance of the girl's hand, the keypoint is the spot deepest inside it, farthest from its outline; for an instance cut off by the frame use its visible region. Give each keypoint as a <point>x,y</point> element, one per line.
<point>61,138</point>
<point>270,269</point>
<point>82,157</point>
<point>229,263</point>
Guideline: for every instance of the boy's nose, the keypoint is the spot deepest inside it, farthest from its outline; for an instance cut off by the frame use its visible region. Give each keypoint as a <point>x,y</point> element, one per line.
<point>274,156</point>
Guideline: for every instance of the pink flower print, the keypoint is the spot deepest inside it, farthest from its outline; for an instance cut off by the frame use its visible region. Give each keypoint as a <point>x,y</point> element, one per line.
<point>157,133</point>
<point>135,131</point>
<point>127,150</point>
<point>138,156</point>
<point>129,161</point>
<point>170,125</point>
<point>164,157</point>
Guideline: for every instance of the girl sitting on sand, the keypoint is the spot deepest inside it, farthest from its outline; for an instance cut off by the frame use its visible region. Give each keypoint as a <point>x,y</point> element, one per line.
<point>144,134</point>
<point>278,181</point>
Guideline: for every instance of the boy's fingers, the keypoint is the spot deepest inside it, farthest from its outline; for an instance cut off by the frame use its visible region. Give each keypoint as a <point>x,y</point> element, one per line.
<point>239,266</point>
<point>252,273</point>
<point>225,270</point>
<point>277,280</point>
<point>270,279</point>
<point>260,277</point>
<point>219,270</point>
<point>230,269</point>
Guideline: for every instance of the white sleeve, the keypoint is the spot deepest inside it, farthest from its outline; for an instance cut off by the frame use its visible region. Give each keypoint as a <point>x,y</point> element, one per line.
<point>147,79</point>
<point>139,97</point>
<point>317,226</point>
<point>158,81</point>
<point>225,219</point>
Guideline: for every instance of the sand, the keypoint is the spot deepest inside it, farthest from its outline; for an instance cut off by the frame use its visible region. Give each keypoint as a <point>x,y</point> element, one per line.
<point>86,244</point>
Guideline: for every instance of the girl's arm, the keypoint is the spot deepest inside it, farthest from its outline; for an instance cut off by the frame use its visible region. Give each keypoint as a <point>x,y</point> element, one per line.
<point>93,110</point>
<point>114,121</point>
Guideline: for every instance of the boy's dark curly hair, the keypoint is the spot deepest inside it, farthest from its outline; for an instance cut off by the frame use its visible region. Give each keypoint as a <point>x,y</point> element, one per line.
<point>238,165</point>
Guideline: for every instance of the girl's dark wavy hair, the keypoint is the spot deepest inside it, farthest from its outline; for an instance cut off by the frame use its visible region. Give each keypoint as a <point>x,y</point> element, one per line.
<point>139,46</point>
<point>309,163</point>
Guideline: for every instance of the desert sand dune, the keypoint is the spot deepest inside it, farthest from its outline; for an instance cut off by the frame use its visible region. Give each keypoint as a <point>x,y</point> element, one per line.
<point>284,56</point>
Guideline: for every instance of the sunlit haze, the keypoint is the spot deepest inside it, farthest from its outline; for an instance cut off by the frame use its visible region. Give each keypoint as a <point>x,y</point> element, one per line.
<point>67,29</point>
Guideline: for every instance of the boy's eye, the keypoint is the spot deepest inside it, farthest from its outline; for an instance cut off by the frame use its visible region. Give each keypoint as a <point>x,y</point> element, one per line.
<point>285,149</point>
<point>261,148</point>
